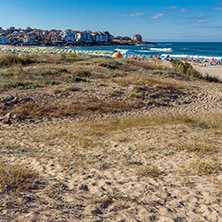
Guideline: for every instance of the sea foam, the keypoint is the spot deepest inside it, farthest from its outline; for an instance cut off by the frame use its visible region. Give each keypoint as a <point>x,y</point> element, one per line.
<point>161,49</point>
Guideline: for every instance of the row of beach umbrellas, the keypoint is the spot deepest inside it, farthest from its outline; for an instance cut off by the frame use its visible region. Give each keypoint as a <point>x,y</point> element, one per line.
<point>12,49</point>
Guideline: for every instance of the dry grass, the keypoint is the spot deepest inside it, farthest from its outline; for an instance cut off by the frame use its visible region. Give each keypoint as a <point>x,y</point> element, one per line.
<point>149,66</point>
<point>147,171</point>
<point>142,79</point>
<point>90,133</point>
<point>82,73</point>
<point>206,167</point>
<point>35,110</point>
<point>12,59</point>
<point>18,85</point>
<point>133,80</point>
<point>198,147</point>
<point>121,124</point>
<point>16,178</point>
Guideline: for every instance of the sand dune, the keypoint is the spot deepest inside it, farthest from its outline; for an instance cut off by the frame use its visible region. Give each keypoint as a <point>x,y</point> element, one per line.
<point>157,157</point>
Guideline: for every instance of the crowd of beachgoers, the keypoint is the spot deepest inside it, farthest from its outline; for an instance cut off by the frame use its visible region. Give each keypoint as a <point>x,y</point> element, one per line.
<point>118,54</point>
<point>157,58</point>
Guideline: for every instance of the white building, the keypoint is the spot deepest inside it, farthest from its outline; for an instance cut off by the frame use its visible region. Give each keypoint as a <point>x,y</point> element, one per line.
<point>84,37</point>
<point>69,37</point>
<point>102,37</point>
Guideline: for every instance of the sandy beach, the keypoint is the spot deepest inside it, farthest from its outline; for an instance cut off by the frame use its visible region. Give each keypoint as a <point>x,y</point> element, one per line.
<point>105,139</point>
<point>215,70</point>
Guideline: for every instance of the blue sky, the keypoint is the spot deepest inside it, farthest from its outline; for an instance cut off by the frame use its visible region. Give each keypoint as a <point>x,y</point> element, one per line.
<point>155,20</point>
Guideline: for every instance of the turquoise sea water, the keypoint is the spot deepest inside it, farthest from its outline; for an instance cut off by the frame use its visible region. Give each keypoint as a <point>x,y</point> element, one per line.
<point>174,49</point>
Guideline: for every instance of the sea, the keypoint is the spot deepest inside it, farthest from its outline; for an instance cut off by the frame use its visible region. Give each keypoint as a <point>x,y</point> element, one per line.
<point>207,50</point>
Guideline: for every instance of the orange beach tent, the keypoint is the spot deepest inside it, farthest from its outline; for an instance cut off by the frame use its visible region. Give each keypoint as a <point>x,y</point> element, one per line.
<point>117,55</point>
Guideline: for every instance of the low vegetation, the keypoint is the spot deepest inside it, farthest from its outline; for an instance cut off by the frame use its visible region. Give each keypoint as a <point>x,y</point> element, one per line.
<point>35,110</point>
<point>12,59</point>
<point>146,171</point>
<point>16,178</point>
<point>206,167</point>
<point>18,85</point>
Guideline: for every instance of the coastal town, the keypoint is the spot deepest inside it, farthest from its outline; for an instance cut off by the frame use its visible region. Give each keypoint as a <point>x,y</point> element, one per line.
<point>30,36</point>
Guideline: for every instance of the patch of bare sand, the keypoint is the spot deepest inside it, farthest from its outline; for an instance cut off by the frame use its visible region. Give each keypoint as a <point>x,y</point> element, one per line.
<point>143,173</point>
<point>212,70</point>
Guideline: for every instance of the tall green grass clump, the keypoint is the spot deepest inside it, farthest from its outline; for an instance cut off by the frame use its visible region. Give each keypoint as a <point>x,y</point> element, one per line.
<point>187,69</point>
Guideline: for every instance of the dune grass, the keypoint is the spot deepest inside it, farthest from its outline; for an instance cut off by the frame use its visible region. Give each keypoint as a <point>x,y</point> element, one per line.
<point>207,167</point>
<point>12,59</point>
<point>187,69</point>
<point>18,85</point>
<point>35,110</point>
<point>146,171</point>
<point>16,178</point>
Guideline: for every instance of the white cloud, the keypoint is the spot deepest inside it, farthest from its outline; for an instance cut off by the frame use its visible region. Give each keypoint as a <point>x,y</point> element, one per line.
<point>217,9</point>
<point>218,2</point>
<point>185,10</point>
<point>196,19</point>
<point>203,21</point>
<point>158,16</point>
<point>171,7</point>
<point>133,15</point>
<point>201,16</point>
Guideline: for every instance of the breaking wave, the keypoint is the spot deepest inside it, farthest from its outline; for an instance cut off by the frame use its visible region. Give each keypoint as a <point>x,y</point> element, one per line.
<point>162,49</point>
